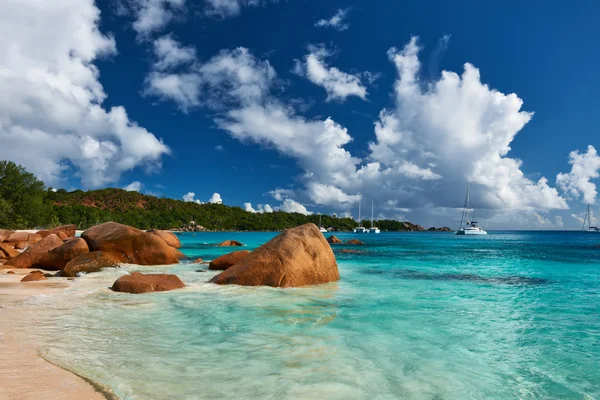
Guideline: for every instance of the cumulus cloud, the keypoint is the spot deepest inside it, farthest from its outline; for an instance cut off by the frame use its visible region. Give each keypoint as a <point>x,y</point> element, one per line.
<point>135,186</point>
<point>229,8</point>
<point>189,197</point>
<point>578,182</point>
<point>292,206</point>
<point>339,85</point>
<point>215,199</point>
<point>170,53</point>
<point>260,209</point>
<point>51,115</point>
<point>152,16</point>
<point>337,21</point>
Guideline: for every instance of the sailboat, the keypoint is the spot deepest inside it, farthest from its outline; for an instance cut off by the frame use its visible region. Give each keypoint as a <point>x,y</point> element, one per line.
<point>373,229</point>
<point>360,228</point>
<point>588,219</point>
<point>323,230</point>
<point>470,227</point>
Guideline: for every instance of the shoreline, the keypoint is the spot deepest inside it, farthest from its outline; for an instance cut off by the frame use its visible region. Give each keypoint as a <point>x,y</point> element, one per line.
<point>21,360</point>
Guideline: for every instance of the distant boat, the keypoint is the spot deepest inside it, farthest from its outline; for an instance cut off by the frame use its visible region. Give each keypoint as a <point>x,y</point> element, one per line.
<point>323,230</point>
<point>588,218</point>
<point>469,227</point>
<point>360,228</point>
<point>373,229</point>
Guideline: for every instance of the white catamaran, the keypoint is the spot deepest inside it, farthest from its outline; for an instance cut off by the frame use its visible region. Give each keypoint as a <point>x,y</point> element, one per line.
<point>469,227</point>
<point>373,229</point>
<point>588,219</point>
<point>360,228</point>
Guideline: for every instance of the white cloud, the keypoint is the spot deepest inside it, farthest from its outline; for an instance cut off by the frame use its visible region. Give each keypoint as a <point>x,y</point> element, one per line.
<point>292,206</point>
<point>51,115</point>
<point>219,148</point>
<point>189,197</point>
<point>151,16</point>
<point>135,186</point>
<point>170,53</point>
<point>339,85</point>
<point>228,8</point>
<point>329,195</point>
<point>215,199</point>
<point>260,208</point>
<point>585,167</point>
<point>279,194</point>
<point>337,21</point>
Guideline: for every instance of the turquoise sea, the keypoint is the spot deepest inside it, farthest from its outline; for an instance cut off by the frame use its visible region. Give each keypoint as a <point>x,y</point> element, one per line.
<point>511,315</point>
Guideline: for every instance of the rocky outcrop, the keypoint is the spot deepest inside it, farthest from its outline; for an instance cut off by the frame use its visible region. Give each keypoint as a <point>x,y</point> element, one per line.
<point>229,243</point>
<point>297,257</point>
<point>333,240</point>
<point>34,276</point>
<point>35,252</point>
<point>354,242</point>
<point>89,262</point>
<point>169,237</point>
<point>227,260</point>
<point>21,245</point>
<point>8,251</point>
<point>60,256</point>
<point>130,245</point>
<point>64,231</point>
<point>442,229</point>
<point>143,283</point>
<point>17,237</point>
<point>5,234</point>
<point>197,261</point>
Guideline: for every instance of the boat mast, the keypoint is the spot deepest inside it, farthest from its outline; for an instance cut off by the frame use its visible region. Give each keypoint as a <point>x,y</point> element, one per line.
<point>586,218</point>
<point>589,218</point>
<point>371,213</point>
<point>359,220</point>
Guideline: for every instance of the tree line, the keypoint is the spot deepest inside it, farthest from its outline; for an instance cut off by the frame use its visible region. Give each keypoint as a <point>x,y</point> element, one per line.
<point>26,203</point>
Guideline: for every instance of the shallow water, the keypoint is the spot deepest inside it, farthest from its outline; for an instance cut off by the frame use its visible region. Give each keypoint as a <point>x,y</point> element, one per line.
<point>513,315</point>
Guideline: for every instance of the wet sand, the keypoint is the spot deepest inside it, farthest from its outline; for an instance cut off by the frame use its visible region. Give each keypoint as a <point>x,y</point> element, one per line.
<point>24,375</point>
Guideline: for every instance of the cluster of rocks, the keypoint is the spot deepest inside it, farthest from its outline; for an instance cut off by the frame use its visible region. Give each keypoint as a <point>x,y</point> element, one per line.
<point>335,240</point>
<point>442,229</point>
<point>297,257</point>
<point>191,227</point>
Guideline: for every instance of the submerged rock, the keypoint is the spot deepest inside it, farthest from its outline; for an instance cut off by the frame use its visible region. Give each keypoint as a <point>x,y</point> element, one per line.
<point>143,283</point>
<point>227,260</point>
<point>169,237</point>
<point>131,245</point>
<point>333,240</point>
<point>34,276</point>
<point>229,243</point>
<point>297,257</point>
<point>351,251</point>
<point>35,252</point>
<point>90,262</point>
<point>354,242</point>
<point>60,256</point>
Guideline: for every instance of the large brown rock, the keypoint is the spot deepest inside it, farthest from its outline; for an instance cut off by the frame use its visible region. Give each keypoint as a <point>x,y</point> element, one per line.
<point>169,237</point>
<point>333,240</point>
<point>17,237</point>
<point>32,255</point>
<point>298,257</point>
<point>230,243</point>
<point>60,256</point>
<point>66,230</point>
<point>21,245</point>
<point>8,251</point>
<point>143,283</point>
<point>34,276</point>
<point>34,238</point>
<point>90,262</point>
<point>227,260</point>
<point>5,234</point>
<point>130,245</point>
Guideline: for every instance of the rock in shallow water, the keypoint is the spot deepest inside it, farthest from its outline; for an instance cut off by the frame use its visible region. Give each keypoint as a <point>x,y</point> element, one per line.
<point>90,262</point>
<point>143,283</point>
<point>354,242</point>
<point>230,243</point>
<point>34,276</point>
<point>298,257</point>
<point>333,240</point>
<point>227,260</point>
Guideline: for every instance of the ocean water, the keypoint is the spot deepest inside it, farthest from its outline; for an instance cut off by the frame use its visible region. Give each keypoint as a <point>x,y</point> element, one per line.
<point>512,315</point>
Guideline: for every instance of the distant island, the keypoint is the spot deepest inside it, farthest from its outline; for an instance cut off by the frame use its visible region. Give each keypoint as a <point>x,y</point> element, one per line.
<point>26,203</point>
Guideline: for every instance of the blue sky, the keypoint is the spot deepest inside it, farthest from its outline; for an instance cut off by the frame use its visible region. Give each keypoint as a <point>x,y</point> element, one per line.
<point>309,105</point>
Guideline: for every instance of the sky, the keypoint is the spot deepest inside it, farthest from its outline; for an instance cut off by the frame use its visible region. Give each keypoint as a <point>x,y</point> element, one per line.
<point>310,106</point>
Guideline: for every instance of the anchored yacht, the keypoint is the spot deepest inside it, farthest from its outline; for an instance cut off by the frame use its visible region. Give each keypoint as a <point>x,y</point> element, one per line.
<point>373,229</point>
<point>469,227</point>
<point>588,219</point>
<point>360,228</point>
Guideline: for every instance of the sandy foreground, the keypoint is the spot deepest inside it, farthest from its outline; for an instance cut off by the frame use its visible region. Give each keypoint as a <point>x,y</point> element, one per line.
<point>24,375</point>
